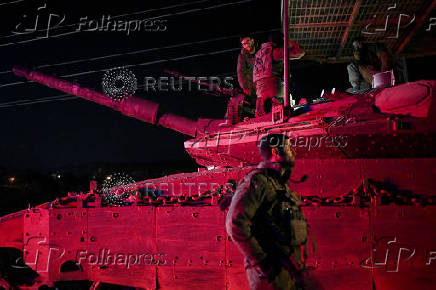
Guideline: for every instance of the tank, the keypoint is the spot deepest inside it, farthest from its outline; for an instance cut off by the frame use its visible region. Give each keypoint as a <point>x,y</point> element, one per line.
<point>365,170</point>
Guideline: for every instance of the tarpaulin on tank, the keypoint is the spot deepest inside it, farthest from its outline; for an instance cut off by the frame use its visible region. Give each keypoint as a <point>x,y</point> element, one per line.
<point>412,99</point>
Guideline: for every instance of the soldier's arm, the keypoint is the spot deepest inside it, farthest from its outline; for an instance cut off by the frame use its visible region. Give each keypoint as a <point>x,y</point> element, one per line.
<point>354,76</point>
<point>295,52</point>
<point>245,203</point>
<point>240,70</point>
<point>367,72</point>
<point>385,60</point>
<point>384,56</point>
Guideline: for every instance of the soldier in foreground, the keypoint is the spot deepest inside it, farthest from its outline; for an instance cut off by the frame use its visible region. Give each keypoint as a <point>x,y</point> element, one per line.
<point>265,220</point>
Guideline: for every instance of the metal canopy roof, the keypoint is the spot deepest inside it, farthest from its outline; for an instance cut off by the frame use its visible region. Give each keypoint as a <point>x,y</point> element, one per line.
<point>326,28</point>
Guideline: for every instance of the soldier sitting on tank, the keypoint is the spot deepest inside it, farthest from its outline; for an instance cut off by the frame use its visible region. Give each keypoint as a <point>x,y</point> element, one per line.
<point>265,220</point>
<point>268,71</point>
<point>370,59</point>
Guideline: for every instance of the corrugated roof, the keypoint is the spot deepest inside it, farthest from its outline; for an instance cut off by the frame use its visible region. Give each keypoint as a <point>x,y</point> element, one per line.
<point>326,28</point>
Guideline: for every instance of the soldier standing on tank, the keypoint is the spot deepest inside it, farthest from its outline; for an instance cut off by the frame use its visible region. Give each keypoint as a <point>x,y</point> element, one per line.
<point>244,104</point>
<point>245,65</point>
<point>268,70</point>
<point>265,220</point>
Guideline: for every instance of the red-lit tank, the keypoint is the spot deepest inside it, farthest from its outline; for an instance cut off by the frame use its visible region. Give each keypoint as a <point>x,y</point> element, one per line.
<point>369,199</point>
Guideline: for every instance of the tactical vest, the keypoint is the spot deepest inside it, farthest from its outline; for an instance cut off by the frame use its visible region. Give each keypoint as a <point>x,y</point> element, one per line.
<point>280,215</point>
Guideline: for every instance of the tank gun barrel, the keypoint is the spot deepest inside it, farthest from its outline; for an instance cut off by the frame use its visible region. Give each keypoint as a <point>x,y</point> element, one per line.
<point>135,107</point>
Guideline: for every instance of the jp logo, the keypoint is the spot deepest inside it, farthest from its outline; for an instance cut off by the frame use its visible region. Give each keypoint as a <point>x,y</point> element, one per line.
<point>31,24</point>
<point>431,24</point>
<point>388,254</point>
<point>39,254</point>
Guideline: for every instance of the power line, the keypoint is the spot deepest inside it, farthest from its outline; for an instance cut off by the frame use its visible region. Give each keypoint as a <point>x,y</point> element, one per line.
<point>132,52</point>
<point>143,50</point>
<point>134,65</point>
<point>13,2</point>
<point>166,15</point>
<point>156,61</point>
<point>42,100</point>
<point>204,8</point>
<point>31,100</point>
<point>12,84</point>
<point>63,97</point>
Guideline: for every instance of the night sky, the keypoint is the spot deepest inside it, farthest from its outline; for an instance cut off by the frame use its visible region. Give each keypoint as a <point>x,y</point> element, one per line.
<point>74,133</point>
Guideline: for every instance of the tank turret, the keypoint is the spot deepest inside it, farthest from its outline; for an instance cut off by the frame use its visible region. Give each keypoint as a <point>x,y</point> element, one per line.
<point>383,123</point>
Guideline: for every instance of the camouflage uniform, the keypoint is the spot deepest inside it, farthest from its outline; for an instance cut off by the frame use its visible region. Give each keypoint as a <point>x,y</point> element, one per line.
<point>242,106</point>
<point>267,225</point>
<point>245,79</point>
<point>245,71</point>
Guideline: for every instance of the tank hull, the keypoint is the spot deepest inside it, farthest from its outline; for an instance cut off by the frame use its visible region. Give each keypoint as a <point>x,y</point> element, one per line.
<point>179,241</point>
